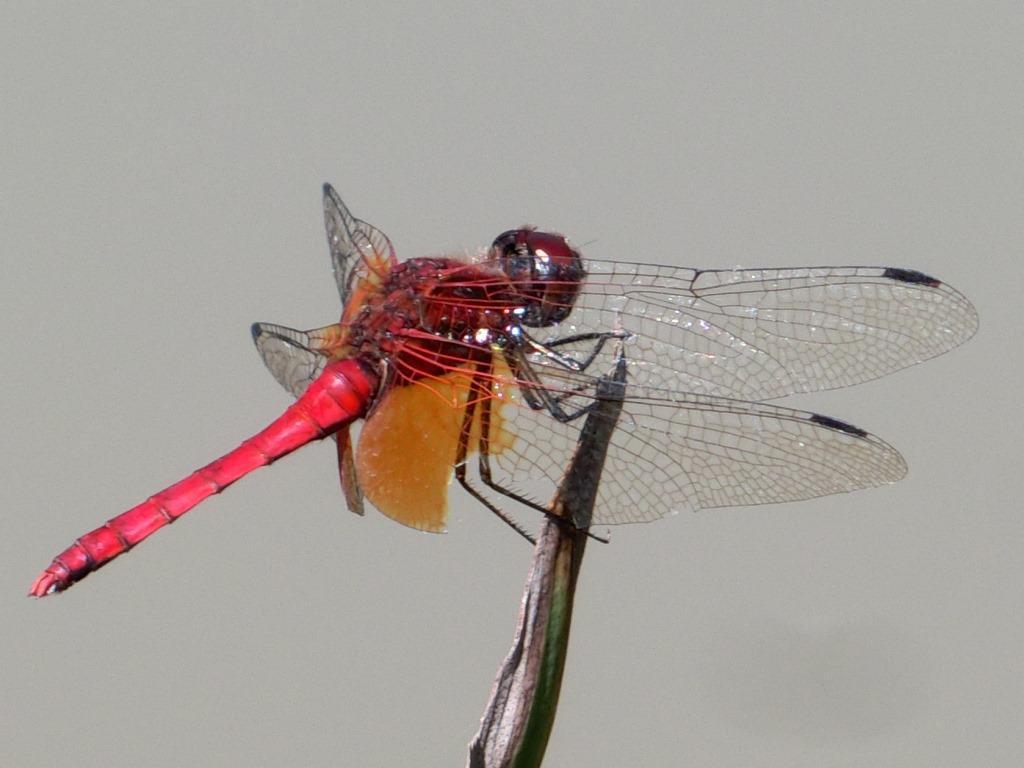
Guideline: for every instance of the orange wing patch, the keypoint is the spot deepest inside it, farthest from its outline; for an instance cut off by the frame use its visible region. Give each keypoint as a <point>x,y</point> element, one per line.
<point>407,448</point>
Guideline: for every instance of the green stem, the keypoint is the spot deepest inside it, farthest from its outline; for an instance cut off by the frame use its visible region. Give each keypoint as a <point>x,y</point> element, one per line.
<point>517,722</point>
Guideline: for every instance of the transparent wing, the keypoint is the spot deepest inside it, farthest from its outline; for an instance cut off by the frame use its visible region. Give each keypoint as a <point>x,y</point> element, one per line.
<point>760,334</point>
<point>355,245</point>
<point>295,358</point>
<point>671,453</point>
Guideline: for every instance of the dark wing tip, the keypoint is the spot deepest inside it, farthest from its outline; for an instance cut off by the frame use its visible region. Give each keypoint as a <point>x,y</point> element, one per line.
<point>256,329</point>
<point>841,426</point>
<point>330,193</point>
<point>911,276</point>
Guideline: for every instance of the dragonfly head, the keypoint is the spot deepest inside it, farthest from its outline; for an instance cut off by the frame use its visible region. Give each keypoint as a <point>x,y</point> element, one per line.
<point>546,271</point>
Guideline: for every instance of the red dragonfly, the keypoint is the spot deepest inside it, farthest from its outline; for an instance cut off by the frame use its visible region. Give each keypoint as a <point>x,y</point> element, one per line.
<point>485,368</point>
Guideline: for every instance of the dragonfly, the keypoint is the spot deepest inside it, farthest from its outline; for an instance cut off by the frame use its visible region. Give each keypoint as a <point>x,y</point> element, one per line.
<point>483,368</point>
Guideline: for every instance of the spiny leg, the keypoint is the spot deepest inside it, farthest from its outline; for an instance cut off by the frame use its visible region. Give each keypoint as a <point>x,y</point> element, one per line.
<point>539,397</point>
<point>549,350</point>
<point>464,437</point>
<point>484,468</point>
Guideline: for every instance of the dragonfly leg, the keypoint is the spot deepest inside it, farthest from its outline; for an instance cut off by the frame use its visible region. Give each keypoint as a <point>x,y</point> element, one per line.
<point>484,464</point>
<point>463,447</point>
<point>540,398</point>
<point>460,475</point>
<point>549,350</point>
<point>478,397</point>
<point>484,467</point>
<point>537,396</point>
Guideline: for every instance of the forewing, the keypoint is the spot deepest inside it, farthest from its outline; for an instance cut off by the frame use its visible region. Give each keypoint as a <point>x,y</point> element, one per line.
<point>295,358</point>
<point>760,334</point>
<point>355,246</point>
<point>672,453</point>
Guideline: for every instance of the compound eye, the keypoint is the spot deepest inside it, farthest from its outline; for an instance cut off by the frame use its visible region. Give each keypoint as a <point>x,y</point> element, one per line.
<point>546,270</point>
<point>529,253</point>
<point>551,252</point>
<point>513,253</point>
<point>510,241</point>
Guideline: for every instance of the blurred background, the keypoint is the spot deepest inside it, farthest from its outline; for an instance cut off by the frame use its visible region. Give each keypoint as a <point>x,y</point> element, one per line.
<point>160,173</point>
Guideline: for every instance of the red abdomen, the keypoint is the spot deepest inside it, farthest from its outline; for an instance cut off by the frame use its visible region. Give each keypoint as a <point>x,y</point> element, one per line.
<point>340,395</point>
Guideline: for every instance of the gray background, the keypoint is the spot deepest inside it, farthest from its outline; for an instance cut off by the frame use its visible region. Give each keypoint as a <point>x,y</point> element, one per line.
<point>160,172</point>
